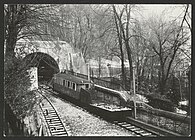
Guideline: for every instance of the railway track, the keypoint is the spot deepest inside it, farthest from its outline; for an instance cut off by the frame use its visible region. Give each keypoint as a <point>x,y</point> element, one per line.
<point>139,132</point>
<point>54,123</point>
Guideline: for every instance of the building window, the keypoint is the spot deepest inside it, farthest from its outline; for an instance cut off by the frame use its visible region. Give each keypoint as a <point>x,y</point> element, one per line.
<point>68,83</point>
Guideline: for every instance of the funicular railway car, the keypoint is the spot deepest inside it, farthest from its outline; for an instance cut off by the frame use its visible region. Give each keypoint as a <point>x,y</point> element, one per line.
<point>71,86</point>
<point>104,101</point>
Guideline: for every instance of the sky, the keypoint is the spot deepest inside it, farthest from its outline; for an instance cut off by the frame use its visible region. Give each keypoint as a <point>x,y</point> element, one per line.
<point>171,11</point>
<point>157,9</point>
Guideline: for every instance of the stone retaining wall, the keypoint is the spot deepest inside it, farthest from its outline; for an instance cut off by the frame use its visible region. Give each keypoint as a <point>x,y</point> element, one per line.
<point>181,126</point>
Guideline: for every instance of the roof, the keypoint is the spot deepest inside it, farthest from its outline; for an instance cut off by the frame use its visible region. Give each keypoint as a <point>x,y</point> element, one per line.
<point>111,91</point>
<point>72,78</point>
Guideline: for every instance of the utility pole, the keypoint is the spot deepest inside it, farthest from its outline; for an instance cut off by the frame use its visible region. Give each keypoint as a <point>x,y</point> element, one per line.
<point>88,72</point>
<point>134,94</point>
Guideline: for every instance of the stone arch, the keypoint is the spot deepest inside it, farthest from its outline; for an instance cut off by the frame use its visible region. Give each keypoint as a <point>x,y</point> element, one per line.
<point>46,64</point>
<point>61,51</point>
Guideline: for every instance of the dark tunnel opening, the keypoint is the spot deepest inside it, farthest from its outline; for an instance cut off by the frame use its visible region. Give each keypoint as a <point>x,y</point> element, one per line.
<point>46,65</point>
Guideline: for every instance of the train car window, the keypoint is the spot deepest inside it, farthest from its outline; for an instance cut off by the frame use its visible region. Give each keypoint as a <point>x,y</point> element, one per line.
<point>66,83</point>
<point>74,86</point>
<point>61,82</point>
<point>87,86</point>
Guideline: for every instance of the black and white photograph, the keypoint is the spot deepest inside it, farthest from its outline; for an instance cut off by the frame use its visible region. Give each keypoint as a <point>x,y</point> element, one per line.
<point>120,70</point>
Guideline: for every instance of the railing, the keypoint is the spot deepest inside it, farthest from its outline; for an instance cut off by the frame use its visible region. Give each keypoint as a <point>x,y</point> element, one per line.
<point>105,83</point>
<point>76,74</point>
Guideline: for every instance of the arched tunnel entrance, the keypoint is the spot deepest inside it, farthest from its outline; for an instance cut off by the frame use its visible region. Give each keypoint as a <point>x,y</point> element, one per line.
<point>46,65</point>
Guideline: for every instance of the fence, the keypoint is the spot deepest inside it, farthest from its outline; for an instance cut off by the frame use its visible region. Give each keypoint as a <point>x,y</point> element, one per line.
<point>76,74</point>
<point>105,83</point>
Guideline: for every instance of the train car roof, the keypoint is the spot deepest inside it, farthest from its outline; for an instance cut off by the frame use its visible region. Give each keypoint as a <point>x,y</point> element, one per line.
<point>73,78</point>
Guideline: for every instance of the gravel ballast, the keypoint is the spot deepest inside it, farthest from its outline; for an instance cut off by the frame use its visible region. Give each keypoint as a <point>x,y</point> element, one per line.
<point>81,123</point>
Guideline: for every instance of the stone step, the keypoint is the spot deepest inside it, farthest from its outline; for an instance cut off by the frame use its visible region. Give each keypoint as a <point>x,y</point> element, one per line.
<point>59,133</point>
<point>139,131</point>
<point>51,117</point>
<point>54,122</point>
<point>57,130</point>
<point>135,129</point>
<point>153,135</point>
<point>146,134</point>
<point>121,123</point>
<point>126,125</point>
<point>50,112</point>
<point>130,127</point>
<point>48,107</point>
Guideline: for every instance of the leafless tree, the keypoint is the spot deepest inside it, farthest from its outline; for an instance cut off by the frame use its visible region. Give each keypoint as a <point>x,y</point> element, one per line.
<point>166,39</point>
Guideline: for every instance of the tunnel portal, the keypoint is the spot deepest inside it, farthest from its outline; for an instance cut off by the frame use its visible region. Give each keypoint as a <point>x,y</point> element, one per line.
<point>46,65</point>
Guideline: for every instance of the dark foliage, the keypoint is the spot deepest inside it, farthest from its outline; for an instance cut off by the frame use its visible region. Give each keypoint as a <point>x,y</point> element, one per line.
<point>160,102</point>
<point>16,88</point>
<point>174,92</point>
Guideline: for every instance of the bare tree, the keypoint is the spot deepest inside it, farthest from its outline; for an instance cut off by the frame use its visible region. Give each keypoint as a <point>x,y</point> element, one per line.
<point>20,20</point>
<point>124,18</point>
<point>166,39</point>
<point>120,42</point>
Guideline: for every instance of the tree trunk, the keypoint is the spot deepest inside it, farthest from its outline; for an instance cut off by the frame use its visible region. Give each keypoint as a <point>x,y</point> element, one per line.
<point>162,82</point>
<point>121,49</point>
<point>123,68</point>
<point>11,32</point>
<point>129,54</point>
